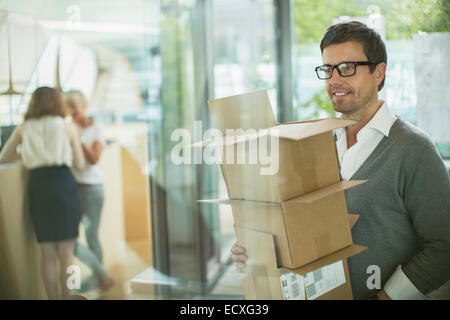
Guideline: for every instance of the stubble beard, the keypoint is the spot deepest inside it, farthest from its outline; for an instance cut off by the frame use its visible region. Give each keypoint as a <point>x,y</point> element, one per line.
<point>354,108</point>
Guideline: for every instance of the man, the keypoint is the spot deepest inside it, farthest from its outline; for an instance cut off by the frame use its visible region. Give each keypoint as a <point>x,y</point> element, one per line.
<point>404,207</point>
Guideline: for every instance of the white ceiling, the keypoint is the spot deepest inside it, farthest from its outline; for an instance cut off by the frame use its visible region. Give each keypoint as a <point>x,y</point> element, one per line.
<point>129,27</point>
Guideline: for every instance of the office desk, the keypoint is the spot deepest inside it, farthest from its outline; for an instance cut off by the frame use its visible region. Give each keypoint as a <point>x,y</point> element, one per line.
<point>20,276</point>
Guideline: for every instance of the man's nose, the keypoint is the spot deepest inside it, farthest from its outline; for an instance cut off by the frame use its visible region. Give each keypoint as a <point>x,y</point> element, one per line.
<point>335,76</point>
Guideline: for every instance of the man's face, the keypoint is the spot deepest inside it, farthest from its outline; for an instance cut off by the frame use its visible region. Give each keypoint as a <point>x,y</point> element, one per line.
<point>350,94</point>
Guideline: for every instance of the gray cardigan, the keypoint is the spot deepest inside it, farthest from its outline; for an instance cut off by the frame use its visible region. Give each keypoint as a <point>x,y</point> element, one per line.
<point>404,212</point>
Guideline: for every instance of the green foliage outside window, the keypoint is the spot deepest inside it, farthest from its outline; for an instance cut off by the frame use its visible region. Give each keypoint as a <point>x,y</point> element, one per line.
<point>403,19</point>
<point>321,102</point>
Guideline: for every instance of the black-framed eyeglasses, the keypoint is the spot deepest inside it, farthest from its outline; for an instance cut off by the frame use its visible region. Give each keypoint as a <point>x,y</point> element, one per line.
<point>345,69</point>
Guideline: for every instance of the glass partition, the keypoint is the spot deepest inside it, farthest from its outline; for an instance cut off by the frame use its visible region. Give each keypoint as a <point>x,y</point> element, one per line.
<point>148,69</point>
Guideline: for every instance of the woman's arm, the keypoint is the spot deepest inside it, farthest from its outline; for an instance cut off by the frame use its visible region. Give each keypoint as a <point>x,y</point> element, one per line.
<point>92,153</point>
<point>74,137</point>
<point>8,153</point>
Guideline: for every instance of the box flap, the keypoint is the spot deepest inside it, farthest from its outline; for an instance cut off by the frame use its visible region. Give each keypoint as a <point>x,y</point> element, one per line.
<point>262,277</point>
<point>331,258</point>
<point>204,143</point>
<point>352,218</point>
<point>253,111</point>
<point>259,246</point>
<point>246,111</point>
<point>302,130</point>
<point>236,137</point>
<point>303,121</point>
<point>293,131</point>
<point>240,203</point>
<point>327,191</point>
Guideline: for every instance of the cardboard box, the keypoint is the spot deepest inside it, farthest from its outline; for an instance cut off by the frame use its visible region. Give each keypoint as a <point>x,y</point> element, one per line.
<point>324,279</point>
<point>305,228</point>
<point>305,151</point>
<point>292,221</point>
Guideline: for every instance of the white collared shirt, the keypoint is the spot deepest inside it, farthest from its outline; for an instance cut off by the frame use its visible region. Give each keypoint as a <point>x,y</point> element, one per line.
<point>367,139</point>
<point>398,286</point>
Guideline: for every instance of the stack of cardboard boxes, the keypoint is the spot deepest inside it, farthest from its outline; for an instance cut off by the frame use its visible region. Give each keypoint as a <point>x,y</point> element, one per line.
<point>292,219</point>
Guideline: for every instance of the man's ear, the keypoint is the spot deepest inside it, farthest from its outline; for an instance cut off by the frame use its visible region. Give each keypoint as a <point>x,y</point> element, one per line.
<point>380,72</point>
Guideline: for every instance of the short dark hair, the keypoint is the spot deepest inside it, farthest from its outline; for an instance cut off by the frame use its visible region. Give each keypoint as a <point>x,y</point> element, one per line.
<point>373,46</point>
<point>45,101</point>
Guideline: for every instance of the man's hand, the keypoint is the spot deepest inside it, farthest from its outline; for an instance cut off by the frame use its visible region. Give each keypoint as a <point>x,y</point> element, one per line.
<point>238,257</point>
<point>382,295</point>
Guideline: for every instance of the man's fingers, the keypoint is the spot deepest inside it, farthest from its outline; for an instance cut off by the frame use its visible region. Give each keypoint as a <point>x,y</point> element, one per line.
<point>239,258</point>
<point>236,249</point>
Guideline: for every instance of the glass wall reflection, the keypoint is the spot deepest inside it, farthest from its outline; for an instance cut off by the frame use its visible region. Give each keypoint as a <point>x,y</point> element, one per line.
<point>148,69</point>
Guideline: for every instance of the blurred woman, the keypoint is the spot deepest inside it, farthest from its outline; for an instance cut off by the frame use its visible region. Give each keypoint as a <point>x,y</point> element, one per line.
<point>90,188</point>
<point>49,146</point>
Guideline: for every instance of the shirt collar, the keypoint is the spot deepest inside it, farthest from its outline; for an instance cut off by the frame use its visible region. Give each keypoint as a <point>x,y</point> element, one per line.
<point>382,120</point>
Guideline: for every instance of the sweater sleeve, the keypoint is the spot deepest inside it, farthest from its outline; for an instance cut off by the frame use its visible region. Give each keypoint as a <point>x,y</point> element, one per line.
<point>427,199</point>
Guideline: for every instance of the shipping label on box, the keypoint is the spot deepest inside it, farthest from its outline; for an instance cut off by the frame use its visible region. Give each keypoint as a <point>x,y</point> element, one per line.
<point>292,285</point>
<point>314,284</point>
<point>326,278</point>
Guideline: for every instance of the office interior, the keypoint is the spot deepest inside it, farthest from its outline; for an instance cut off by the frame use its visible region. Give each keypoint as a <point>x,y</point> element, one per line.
<point>148,67</point>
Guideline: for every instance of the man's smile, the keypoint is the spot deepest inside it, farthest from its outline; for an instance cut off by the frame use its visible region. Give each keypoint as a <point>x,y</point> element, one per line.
<point>341,93</point>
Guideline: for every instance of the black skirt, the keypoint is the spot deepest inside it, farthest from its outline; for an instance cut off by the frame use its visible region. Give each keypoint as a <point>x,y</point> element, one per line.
<point>54,203</point>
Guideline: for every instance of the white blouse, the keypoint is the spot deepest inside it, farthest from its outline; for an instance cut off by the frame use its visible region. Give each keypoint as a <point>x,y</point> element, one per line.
<point>45,143</point>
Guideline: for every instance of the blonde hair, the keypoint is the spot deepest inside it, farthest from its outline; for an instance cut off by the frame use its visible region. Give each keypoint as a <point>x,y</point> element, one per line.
<point>46,101</point>
<point>76,96</point>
